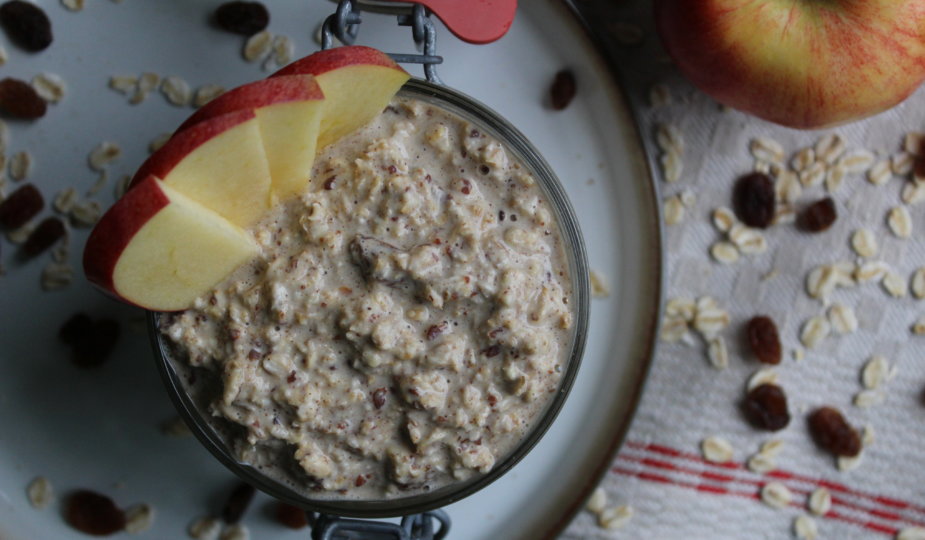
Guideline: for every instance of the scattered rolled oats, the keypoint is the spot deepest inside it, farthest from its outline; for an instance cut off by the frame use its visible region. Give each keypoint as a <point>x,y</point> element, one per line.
<point>880,173</point>
<point>65,200</point>
<point>718,353</point>
<point>257,46</point>
<point>674,210</point>
<point>913,192</point>
<point>820,501</point>
<point>671,166</point>
<point>821,282</point>
<point>685,308</point>
<point>918,327</point>
<point>86,214</point>
<point>895,284</point>
<point>723,219</point>
<point>104,154</point>
<point>814,330</point>
<point>900,222</point>
<point>776,495</point>
<point>802,159</point>
<point>912,143</point>
<point>283,49</point>
<point>659,95</point>
<point>710,319</point>
<point>205,528</point>
<point>766,149</point>
<point>615,517</point>
<point>829,148</point>
<point>761,463</point>
<point>804,527</point>
<point>56,276</point>
<point>147,83</point>
<point>40,492</point>
<point>843,319</point>
<point>20,166</point>
<point>207,93</point>
<point>902,163</point>
<point>673,329</point>
<point>846,464</point>
<point>237,531</point>
<point>788,188</point>
<point>834,178</point>
<point>688,199</point>
<point>122,185</point>
<point>871,271</point>
<point>868,398</point>
<point>716,450</point>
<point>177,91</point>
<point>139,518</point>
<point>597,501</point>
<point>73,5</point>
<point>864,243</point>
<point>125,84</point>
<point>599,287</point>
<point>856,161</point>
<point>99,184</point>
<point>772,447</point>
<point>813,175</point>
<point>669,139</point>
<point>762,376</point>
<point>748,240</point>
<point>49,87</point>
<point>20,235</point>
<point>911,533</point>
<point>725,252</point>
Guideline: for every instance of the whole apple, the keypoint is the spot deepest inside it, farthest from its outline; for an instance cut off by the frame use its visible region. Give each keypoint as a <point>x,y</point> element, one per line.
<point>800,63</point>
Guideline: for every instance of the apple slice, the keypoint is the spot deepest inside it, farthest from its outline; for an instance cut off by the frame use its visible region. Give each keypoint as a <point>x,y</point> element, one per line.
<point>289,114</point>
<point>219,163</point>
<point>161,250</point>
<point>357,82</point>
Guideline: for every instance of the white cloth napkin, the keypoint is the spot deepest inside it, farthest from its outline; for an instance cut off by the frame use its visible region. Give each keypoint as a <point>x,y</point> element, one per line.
<point>660,472</point>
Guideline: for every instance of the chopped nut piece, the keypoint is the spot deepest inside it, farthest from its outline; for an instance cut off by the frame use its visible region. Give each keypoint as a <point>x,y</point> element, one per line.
<point>814,330</point>
<point>843,319</point>
<point>716,449</point>
<point>725,252</point>
<point>776,495</point>
<point>598,501</point>
<point>900,222</point>
<point>804,527</point>
<point>820,501</point>
<point>40,492</point>
<point>104,154</point>
<point>864,243</point>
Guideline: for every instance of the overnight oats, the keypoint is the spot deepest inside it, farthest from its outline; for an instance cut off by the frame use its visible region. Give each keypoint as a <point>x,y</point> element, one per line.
<point>407,323</point>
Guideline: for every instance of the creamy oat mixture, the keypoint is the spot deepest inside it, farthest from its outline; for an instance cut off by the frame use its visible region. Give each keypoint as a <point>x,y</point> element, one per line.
<point>408,320</point>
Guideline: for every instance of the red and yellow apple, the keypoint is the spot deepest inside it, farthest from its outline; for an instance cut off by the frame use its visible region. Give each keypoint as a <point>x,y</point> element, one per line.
<point>800,63</point>
<point>159,249</point>
<point>219,163</point>
<point>358,82</point>
<point>288,113</point>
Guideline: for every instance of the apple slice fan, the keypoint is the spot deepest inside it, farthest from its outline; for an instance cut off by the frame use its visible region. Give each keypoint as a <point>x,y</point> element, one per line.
<point>413,515</point>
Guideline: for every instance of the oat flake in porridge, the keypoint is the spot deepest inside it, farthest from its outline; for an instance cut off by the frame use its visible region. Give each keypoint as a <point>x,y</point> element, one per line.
<point>408,320</point>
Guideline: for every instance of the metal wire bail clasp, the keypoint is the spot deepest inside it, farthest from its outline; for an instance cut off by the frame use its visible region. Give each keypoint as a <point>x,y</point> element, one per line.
<point>344,25</point>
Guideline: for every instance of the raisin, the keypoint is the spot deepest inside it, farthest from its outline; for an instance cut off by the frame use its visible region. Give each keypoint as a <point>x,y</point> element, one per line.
<point>78,325</point>
<point>44,236</point>
<point>563,89</point>
<point>832,433</point>
<point>245,18</point>
<point>360,481</point>
<point>290,516</point>
<point>26,24</point>
<point>237,503</point>
<point>94,514</point>
<point>92,348</point>
<point>434,331</point>
<point>492,350</point>
<point>19,100</point>
<point>818,216</point>
<point>764,339</point>
<point>21,206</point>
<point>379,397</point>
<point>753,200</point>
<point>765,407</point>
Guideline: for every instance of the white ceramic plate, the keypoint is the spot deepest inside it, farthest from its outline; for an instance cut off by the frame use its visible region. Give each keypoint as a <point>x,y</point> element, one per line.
<point>98,429</point>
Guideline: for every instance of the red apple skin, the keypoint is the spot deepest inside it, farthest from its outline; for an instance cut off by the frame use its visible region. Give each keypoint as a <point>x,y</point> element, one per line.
<point>185,142</point>
<point>115,230</point>
<point>330,59</point>
<point>256,95</point>
<point>799,63</point>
